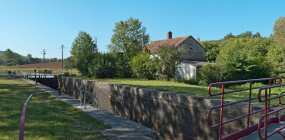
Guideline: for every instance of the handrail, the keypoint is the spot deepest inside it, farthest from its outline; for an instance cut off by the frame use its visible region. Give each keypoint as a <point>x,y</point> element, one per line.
<point>83,93</point>
<point>241,82</point>
<point>266,111</point>
<point>23,116</point>
<point>249,100</point>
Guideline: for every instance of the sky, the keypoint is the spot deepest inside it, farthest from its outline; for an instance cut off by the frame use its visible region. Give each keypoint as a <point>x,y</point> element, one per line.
<point>29,26</point>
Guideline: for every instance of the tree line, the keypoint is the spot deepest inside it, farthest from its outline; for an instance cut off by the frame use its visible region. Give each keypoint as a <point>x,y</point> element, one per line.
<point>245,56</point>
<point>127,56</point>
<point>10,58</point>
<point>234,57</point>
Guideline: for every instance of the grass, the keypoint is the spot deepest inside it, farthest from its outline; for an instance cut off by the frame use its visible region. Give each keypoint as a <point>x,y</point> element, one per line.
<point>198,90</point>
<point>46,118</point>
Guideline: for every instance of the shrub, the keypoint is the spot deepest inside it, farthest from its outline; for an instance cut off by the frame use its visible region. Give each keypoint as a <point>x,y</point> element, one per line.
<point>66,74</point>
<point>104,66</point>
<point>170,57</point>
<point>143,66</point>
<point>208,74</point>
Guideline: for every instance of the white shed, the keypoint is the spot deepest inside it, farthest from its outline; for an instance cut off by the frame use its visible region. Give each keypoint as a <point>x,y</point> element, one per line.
<point>188,69</point>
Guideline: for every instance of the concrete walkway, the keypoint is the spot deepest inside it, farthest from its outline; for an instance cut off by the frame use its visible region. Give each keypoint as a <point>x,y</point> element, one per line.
<point>270,128</point>
<point>122,129</point>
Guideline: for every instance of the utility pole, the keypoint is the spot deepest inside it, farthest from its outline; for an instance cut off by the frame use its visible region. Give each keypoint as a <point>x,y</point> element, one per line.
<point>62,56</point>
<point>44,53</point>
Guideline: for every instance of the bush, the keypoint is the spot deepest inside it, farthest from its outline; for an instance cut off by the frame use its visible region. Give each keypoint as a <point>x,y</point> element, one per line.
<point>208,74</point>
<point>66,74</point>
<point>104,66</point>
<point>190,81</point>
<point>143,66</point>
<point>123,66</point>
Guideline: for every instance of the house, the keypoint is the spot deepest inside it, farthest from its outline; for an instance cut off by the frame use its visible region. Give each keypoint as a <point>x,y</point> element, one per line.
<point>187,69</point>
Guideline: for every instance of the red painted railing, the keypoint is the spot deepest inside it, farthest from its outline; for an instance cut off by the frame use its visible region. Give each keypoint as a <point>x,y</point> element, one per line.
<point>264,123</point>
<point>249,129</point>
<point>23,116</point>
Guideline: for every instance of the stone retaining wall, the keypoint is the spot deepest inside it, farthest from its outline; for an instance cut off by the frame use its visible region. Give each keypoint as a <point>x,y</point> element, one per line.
<point>174,115</point>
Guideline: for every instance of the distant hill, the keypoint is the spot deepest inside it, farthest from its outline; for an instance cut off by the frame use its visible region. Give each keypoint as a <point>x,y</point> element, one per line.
<point>4,51</point>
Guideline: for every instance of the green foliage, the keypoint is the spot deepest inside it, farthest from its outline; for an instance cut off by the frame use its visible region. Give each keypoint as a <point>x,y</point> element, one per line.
<point>228,36</point>
<point>83,50</point>
<point>104,66</point>
<point>190,81</point>
<point>247,34</point>
<point>127,39</point>
<point>143,66</point>
<point>69,63</point>
<point>11,58</point>
<point>169,58</point>
<point>213,49</point>
<point>208,74</point>
<point>243,58</point>
<point>279,32</point>
<point>123,66</point>
<point>66,74</point>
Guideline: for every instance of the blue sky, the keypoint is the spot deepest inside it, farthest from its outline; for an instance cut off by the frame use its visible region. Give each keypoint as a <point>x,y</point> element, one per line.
<point>29,26</point>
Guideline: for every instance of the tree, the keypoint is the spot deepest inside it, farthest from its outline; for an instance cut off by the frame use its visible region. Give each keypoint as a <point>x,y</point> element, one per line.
<point>279,32</point>
<point>127,39</point>
<point>257,35</point>
<point>69,63</point>
<point>83,50</point>
<point>29,59</point>
<point>12,58</point>
<point>244,58</point>
<point>228,36</point>
<point>104,66</point>
<point>169,58</point>
<point>247,34</point>
<point>212,48</point>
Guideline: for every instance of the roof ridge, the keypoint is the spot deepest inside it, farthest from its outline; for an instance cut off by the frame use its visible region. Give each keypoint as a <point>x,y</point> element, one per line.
<point>173,38</point>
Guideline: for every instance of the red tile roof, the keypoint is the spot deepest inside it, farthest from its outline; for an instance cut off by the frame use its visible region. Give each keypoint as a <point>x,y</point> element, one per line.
<point>154,46</point>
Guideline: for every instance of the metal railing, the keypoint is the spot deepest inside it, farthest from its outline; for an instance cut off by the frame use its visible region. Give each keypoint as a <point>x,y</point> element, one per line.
<point>250,129</point>
<point>265,120</point>
<point>23,116</point>
<point>83,96</point>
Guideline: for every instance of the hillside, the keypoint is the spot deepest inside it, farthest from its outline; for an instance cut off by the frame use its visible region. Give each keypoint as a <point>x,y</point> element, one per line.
<point>1,52</point>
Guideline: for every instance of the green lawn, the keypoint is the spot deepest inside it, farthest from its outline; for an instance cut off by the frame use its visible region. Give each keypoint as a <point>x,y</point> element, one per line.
<point>46,118</point>
<point>187,88</point>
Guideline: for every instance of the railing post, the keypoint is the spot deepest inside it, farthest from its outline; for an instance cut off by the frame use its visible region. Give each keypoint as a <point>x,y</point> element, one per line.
<point>221,113</point>
<point>82,92</point>
<point>23,116</point>
<point>249,101</point>
<point>85,100</point>
<point>59,90</point>
<point>265,113</point>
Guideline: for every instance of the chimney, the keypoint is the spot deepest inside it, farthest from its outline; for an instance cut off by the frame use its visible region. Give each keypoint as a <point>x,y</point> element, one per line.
<point>169,35</point>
